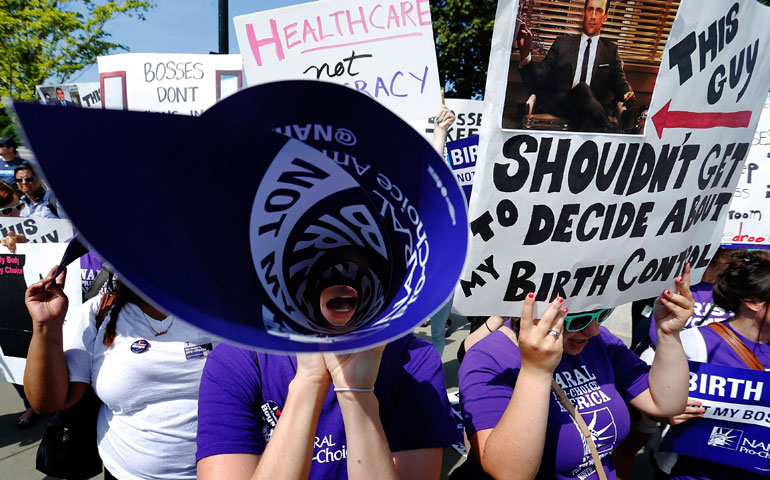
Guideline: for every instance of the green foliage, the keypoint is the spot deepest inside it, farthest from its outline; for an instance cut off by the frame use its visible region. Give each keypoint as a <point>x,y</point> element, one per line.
<point>40,39</point>
<point>463,31</point>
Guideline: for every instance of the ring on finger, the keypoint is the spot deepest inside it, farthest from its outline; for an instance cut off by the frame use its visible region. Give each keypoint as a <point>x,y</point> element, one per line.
<point>553,333</point>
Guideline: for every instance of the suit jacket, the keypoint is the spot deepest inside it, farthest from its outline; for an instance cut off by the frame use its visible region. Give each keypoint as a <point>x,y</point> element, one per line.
<point>553,76</point>
<point>67,103</point>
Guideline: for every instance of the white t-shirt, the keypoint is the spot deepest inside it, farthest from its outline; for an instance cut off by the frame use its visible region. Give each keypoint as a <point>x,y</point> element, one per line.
<point>147,424</point>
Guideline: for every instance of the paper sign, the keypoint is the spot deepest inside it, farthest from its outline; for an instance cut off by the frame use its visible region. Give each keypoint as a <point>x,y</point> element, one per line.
<point>461,155</point>
<point>604,219</point>
<point>37,230</point>
<point>353,210</point>
<point>18,270</point>
<point>180,83</point>
<point>383,49</point>
<point>85,94</point>
<point>749,215</point>
<point>735,429</point>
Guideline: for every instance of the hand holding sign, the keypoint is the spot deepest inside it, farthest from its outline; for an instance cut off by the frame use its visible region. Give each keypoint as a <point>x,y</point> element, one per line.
<point>541,351</point>
<point>46,301</point>
<point>672,310</point>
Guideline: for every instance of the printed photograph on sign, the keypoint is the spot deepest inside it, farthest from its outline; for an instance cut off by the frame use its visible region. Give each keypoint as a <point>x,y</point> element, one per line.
<point>585,65</point>
<point>71,95</point>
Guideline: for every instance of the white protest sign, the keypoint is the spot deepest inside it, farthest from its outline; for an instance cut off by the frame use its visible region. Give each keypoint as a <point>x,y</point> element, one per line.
<point>29,264</point>
<point>38,230</point>
<point>86,94</point>
<point>185,84</point>
<point>385,49</point>
<point>747,221</point>
<point>467,123</point>
<point>606,219</point>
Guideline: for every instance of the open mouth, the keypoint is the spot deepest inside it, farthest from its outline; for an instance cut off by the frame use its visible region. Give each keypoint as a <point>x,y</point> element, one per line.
<point>342,304</point>
<point>338,304</point>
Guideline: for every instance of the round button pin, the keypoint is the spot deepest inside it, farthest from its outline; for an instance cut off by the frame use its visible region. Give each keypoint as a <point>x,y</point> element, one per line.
<point>140,346</point>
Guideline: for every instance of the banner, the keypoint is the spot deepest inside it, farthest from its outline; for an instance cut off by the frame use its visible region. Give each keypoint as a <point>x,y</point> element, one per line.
<point>462,158</point>
<point>37,230</point>
<point>749,214</point>
<point>181,83</point>
<point>385,50</point>
<point>18,270</point>
<point>608,217</point>
<point>85,94</point>
<point>315,201</point>
<point>735,429</point>
<point>467,120</point>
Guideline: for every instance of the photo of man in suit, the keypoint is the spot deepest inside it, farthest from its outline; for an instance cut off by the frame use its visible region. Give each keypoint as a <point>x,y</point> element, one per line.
<point>581,76</point>
<point>61,101</point>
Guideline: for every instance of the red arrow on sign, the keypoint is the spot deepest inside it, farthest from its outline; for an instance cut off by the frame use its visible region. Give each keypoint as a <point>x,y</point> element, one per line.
<point>674,119</point>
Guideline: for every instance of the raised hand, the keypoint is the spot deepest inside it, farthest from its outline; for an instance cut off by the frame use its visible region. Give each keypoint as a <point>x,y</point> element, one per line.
<point>444,118</point>
<point>673,309</point>
<point>354,370</point>
<point>540,349</point>
<point>311,368</point>
<point>524,41</point>
<point>46,301</point>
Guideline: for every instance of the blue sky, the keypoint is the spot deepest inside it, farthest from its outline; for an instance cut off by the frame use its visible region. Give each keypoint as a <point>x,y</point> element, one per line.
<point>179,26</point>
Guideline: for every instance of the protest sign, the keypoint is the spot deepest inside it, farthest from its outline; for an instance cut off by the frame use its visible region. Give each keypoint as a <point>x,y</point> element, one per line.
<point>37,230</point>
<point>467,119</point>
<point>603,219</point>
<point>85,94</point>
<point>462,158</point>
<point>358,211</point>
<point>747,220</point>
<point>735,429</point>
<point>180,83</point>
<point>29,264</point>
<point>353,42</point>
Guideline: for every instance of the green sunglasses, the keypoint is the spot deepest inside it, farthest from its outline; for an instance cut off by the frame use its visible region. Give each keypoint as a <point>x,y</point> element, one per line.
<point>579,321</point>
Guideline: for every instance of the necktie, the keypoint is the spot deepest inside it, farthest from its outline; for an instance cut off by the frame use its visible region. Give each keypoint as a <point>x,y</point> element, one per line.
<point>63,104</point>
<point>584,68</point>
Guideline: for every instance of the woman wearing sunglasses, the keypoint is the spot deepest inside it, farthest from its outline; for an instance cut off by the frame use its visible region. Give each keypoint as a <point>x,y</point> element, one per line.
<point>509,385</point>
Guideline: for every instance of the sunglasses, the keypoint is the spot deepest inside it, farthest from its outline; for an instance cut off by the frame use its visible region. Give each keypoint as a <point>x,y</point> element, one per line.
<point>9,210</point>
<point>25,179</point>
<point>579,321</point>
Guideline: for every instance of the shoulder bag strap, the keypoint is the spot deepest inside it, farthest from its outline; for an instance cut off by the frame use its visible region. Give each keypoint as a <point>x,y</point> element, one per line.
<point>572,411</point>
<point>740,348</point>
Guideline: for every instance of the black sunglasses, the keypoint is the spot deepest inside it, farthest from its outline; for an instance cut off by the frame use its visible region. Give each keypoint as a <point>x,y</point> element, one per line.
<point>9,210</point>
<point>25,179</point>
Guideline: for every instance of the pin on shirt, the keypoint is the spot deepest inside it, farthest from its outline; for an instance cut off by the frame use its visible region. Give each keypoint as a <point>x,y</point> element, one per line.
<point>140,346</point>
<point>198,349</point>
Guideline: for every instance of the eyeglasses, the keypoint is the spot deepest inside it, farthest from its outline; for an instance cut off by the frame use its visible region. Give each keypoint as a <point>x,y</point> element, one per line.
<point>579,321</point>
<point>9,210</point>
<point>25,179</point>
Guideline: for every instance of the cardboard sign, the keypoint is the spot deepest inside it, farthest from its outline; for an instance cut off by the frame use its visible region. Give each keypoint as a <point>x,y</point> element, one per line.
<point>747,220</point>
<point>37,230</point>
<point>467,123</point>
<point>181,83</point>
<point>85,94</point>
<point>735,430</point>
<point>461,155</point>
<point>352,42</point>
<point>18,270</point>
<point>353,211</point>
<point>603,219</point>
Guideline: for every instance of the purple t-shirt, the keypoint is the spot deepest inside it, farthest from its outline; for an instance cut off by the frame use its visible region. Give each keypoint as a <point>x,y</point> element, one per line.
<point>704,304</point>
<point>598,381</point>
<point>720,353</point>
<point>241,399</point>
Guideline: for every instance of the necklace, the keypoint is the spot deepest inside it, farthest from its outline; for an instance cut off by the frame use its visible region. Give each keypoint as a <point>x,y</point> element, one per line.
<point>157,333</point>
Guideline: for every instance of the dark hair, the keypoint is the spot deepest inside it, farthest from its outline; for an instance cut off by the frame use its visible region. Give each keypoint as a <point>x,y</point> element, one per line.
<point>747,278</point>
<point>606,6</point>
<point>24,166</point>
<point>123,295</point>
<point>59,89</point>
<point>7,194</point>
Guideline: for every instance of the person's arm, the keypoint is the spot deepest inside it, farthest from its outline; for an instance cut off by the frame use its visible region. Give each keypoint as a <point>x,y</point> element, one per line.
<point>289,453</point>
<point>620,86</point>
<point>10,241</point>
<point>46,378</point>
<point>505,452</point>
<point>669,375</point>
<point>444,119</point>
<point>490,325</point>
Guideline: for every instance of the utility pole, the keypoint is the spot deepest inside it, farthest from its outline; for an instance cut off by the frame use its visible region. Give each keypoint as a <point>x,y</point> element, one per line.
<point>224,25</point>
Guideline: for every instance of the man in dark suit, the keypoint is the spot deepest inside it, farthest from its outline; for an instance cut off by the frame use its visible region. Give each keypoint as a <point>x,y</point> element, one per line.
<point>60,100</point>
<point>581,75</point>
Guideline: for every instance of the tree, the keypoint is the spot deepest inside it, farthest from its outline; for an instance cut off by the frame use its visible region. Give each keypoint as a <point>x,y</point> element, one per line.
<point>41,39</point>
<point>463,31</point>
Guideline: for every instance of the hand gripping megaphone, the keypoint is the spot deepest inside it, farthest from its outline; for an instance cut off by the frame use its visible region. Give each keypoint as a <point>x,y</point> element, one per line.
<point>291,217</point>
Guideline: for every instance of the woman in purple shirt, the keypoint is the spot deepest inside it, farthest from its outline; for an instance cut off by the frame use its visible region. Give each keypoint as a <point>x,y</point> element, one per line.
<point>517,427</point>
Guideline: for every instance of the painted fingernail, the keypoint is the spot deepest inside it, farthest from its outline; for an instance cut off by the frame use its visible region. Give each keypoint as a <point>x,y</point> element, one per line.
<point>565,309</point>
<point>678,279</point>
<point>559,299</point>
<point>667,292</point>
<point>438,118</point>
<point>531,295</point>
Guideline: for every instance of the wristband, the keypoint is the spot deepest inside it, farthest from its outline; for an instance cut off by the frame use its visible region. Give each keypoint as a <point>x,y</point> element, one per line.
<point>346,389</point>
<point>485,324</point>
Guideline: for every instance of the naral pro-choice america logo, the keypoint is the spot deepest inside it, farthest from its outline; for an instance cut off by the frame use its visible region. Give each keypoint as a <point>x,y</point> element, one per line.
<point>725,437</point>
